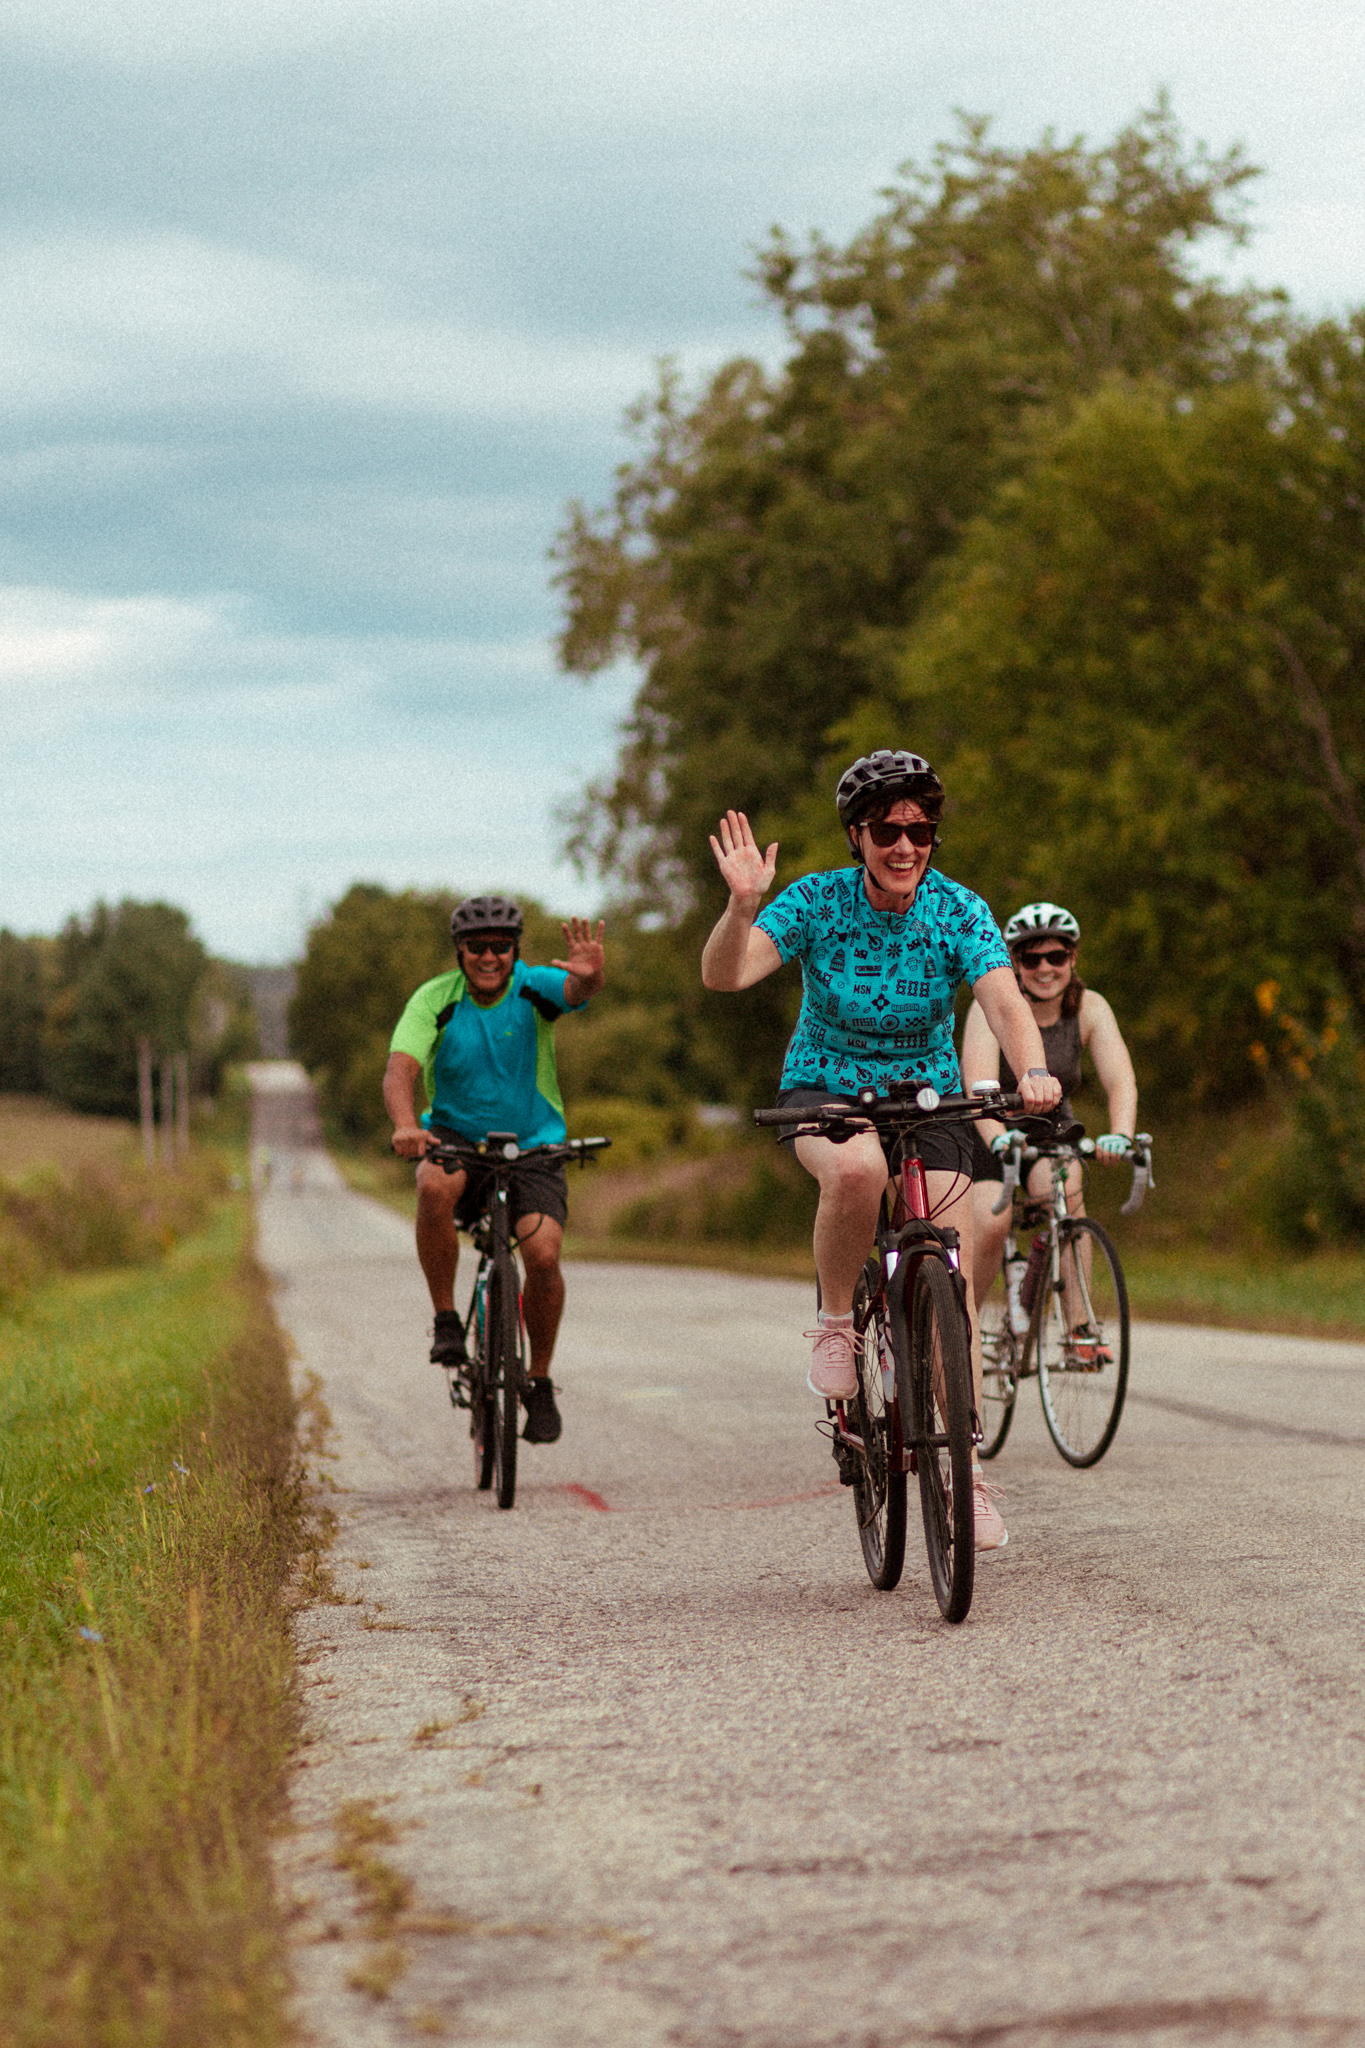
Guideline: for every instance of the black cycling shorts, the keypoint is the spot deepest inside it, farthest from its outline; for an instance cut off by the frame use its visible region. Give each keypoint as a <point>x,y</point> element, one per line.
<point>534,1189</point>
<point>944,1148</point>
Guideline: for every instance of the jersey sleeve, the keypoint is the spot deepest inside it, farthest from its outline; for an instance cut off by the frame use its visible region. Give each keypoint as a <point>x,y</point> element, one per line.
<point>549,984</point>
<point>979,945</point>
<point>786,921</point>
<point>416,1030</point>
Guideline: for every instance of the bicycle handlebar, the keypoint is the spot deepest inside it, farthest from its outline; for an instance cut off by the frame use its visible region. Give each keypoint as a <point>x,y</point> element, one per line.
<point>1142,1173</point>
<point>500,1148</point>
<point>1021,1153</point>
<point>896,1110</point>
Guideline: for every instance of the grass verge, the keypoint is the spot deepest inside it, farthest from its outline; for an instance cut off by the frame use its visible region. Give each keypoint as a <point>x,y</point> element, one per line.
<point>151,1515</point>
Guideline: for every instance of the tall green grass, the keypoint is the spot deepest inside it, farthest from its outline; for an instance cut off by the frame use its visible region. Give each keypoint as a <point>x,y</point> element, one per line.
<point>150,1518</point>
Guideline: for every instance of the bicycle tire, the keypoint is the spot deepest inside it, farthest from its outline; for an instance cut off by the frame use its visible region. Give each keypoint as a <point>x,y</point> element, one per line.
<point>1082,1396</point>
<point>999,1367</point>
<point>933,1377</point>
<point>879,1494</point>
<point>480,1430</point>
<point>504,1354</point>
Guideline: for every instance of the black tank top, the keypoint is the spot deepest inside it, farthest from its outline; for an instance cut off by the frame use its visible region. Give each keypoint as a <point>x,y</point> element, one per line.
<point>1062,1050</point>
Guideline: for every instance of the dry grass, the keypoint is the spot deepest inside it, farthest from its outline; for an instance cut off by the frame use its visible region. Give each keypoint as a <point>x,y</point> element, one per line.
<point>151,1518</point>
<point>35,1132</point>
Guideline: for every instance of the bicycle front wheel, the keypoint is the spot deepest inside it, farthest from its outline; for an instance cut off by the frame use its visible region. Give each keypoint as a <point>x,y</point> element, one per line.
<point>879,1492</point>
<point>999,1367</point>
<point>934,1379</point>
<point>1078,1338</point>
<point>504,1383</point>
<point>480,1408</point>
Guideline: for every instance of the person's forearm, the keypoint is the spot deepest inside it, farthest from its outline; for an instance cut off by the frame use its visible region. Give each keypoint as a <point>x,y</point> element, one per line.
<point>726,952</point>
<point>1123,1108</point>
<point>581,988</point>
<point>400,1097</point>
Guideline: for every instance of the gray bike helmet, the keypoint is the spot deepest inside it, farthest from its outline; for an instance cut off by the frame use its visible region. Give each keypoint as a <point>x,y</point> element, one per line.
<point>884,777</point>
<point>486,914</point>
<point>1041,921</point>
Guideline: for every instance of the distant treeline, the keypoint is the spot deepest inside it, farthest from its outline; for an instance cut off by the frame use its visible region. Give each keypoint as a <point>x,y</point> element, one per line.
<point>73,1007</point>
<point>1033,495</point>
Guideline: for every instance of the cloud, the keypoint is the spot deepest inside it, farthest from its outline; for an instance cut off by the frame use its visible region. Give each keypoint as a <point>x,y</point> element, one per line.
<point>181,750</point>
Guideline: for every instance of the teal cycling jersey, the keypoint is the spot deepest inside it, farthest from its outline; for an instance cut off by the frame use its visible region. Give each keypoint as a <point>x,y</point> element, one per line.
<point>878,985</point>
<point>489,1067</point>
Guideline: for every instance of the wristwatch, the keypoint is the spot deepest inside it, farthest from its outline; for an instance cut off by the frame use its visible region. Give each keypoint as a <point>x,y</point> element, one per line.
<point>1038,1073</point>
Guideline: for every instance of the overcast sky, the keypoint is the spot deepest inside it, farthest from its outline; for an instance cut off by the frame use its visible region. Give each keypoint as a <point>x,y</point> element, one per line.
<point>314,317</point>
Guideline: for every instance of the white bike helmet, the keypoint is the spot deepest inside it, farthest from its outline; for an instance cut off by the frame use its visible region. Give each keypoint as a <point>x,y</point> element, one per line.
<point>1041,921</point>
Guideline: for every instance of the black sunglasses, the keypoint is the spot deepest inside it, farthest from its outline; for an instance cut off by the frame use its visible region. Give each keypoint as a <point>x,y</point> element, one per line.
<point>1056,957</point>
<point>886,835</point>
<point>478,947</point>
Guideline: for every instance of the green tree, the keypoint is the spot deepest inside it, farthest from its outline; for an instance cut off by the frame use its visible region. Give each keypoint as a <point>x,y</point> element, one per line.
<point>22,1006</point>
<point>124,973</point>
<point>361,963</point>
<point>1138,676</point>
<point>771,544</point>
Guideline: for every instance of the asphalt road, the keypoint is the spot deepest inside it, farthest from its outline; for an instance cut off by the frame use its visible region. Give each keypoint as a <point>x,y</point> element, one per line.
<point>660,1767</point>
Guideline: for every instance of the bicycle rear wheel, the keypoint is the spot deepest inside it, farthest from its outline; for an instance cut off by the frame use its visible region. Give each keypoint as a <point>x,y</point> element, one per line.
<point>1078,1337</point>
<point>999,1367</point>
<point>879,1494</point>
<point>934,1378</point>
<point>504,1384</point>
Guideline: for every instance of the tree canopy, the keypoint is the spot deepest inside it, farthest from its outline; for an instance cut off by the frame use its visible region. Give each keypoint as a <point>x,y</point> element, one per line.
<point>1035,495</point>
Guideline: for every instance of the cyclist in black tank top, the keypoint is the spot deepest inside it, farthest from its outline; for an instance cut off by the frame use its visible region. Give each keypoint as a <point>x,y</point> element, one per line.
<point>1042,938</point>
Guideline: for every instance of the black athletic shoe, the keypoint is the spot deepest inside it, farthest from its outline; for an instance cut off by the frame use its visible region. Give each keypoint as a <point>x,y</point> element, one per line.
<point>447,1341</point>
<point>542,1417</point>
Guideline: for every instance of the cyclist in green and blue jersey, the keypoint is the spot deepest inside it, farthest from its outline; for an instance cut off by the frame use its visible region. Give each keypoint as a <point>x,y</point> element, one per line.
<point>481,1037</point>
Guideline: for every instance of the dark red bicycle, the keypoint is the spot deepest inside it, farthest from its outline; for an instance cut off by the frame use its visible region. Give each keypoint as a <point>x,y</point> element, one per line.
<point>913,1411</point>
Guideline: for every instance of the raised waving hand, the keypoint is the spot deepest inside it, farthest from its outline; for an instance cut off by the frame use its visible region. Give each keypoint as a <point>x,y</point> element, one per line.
<point>748,874</point>
<point>587,958</point>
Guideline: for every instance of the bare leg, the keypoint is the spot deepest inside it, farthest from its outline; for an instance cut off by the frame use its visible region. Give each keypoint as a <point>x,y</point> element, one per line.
<point>542,1300</point>
<point>991,1232</point>
<point>852,1178</point>
<point>438,1241</point>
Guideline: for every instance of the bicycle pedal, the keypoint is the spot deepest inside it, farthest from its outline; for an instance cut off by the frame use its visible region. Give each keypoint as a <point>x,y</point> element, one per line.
<point>848,1461</point>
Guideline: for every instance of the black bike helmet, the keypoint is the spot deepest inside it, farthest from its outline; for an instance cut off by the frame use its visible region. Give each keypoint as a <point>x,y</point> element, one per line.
<point>886,777</point>
<point>486,914</point>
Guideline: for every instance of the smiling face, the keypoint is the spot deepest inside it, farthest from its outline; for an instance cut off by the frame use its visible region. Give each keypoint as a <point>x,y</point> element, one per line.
<point>1045,966</point>
<point>894,873</point>
<point>487,972</point>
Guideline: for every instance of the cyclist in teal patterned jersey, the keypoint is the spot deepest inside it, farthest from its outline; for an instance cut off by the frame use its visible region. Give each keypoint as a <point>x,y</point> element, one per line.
<point>481,1036</point>
<point>883,949</point>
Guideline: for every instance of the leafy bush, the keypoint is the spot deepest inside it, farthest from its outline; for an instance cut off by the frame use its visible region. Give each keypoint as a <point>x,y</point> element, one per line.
<point>1315,1190</point>
<point>96,1216</point>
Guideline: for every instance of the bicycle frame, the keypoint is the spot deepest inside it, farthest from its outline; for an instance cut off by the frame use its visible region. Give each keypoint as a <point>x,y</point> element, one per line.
<point>905,1238</point>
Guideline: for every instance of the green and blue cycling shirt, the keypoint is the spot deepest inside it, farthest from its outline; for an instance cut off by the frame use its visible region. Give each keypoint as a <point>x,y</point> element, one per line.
<point>878,985</point>
<point>489,1068</point>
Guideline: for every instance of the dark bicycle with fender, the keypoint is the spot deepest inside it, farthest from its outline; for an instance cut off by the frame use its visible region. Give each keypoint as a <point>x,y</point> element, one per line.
<point>489,1384</point>
<point>914,1410</point>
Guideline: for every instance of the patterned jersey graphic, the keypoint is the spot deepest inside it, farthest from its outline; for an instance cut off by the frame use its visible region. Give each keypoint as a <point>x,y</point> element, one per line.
<point>878,988</point>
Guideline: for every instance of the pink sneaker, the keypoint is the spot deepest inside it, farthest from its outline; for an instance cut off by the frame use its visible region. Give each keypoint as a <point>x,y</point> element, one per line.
<point>833,1373</point>
<point>991,1533</point>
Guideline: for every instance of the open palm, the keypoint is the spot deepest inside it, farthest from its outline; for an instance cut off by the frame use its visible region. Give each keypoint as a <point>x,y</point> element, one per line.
<point>748,873</point>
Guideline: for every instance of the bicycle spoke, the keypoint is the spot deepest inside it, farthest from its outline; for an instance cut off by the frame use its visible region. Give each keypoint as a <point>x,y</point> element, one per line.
<point>1078,1340</point>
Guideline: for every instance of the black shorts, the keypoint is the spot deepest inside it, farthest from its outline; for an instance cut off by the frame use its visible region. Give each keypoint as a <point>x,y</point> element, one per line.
<point>944,1148</point>
<point>534,1190</point>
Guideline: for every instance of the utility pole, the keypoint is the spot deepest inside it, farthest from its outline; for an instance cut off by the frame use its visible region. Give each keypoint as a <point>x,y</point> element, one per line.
<point>144,1097</point>
<point>182,1078</point>
<point>167,1110</point>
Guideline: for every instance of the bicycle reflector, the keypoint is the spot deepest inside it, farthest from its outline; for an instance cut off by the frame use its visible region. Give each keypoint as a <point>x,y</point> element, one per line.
<point>927,1098</point>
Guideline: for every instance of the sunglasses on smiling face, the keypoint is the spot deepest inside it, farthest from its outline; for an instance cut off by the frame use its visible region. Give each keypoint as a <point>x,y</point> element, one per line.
<point>476,948</point>
<point>1056,956</point>
<point>887,835</point>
